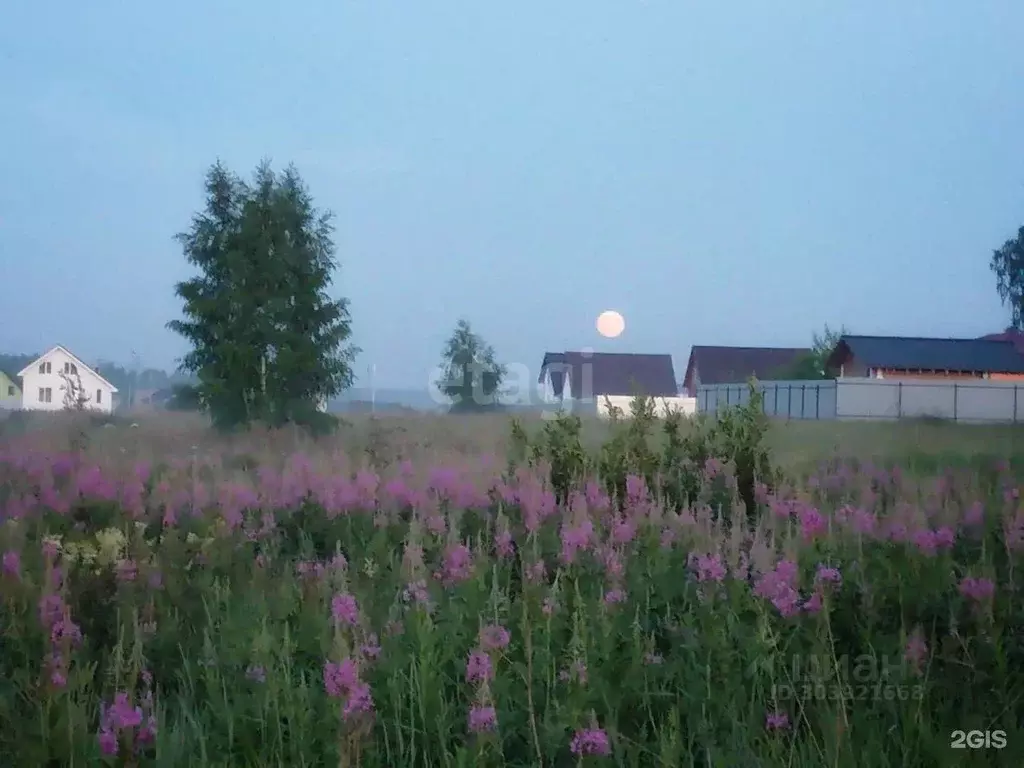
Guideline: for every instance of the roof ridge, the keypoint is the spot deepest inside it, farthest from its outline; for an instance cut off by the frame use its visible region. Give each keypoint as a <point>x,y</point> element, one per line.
<point>923,338</point>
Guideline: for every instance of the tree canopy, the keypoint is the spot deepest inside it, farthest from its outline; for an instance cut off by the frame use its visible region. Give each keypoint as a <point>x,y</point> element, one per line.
<point>268,343</point>
<point>1008,265</point>
<point>813,365</point>
<point>472,376</point>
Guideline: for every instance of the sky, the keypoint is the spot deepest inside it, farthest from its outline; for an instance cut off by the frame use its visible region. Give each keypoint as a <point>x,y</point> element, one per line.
<point>720,173</point>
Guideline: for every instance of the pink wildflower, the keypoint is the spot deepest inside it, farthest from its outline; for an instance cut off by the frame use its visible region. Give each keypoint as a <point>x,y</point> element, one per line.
<point>345,609</point>
<point>590,741</point>
<point>340,678</point>
<point>978,589</point>
<point>916,651</point>
<point>478,667</point>
<point>482,719</point>
<point>494,637</point>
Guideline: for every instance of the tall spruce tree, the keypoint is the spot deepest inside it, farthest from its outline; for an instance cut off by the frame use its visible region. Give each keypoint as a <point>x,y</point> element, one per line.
<point>268,342</point>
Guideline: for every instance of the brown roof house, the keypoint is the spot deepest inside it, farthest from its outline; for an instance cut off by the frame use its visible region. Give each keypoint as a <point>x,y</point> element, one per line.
<point>735,365</point>
<point>585,377</point>
<point>906,357</point>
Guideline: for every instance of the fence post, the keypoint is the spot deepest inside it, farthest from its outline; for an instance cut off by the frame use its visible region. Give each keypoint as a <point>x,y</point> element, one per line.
<point>1015,388</point>
<point>777,399</point>
<point>803,399</point>
<point>728,395</point>
<point>899,400</point>
<point>817,403</point>
<point>956,398</point>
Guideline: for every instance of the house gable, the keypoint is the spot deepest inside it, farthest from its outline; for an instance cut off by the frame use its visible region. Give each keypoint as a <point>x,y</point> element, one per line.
<point>57,357</point>
<point>590,375</point>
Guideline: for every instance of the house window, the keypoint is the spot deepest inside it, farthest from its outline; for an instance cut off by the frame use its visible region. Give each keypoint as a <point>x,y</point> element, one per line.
<point>70,368</point>
<point>44,368</point>
<point>99,395</point>
<point>10,390</point>
<point>45,395</point>
<point>42,395</point>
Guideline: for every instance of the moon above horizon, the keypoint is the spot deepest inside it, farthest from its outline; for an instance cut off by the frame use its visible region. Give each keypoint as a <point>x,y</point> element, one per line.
<point>610,324</point>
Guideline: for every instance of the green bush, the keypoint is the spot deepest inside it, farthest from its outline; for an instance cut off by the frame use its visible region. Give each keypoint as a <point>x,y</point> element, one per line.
<point>672,454</point>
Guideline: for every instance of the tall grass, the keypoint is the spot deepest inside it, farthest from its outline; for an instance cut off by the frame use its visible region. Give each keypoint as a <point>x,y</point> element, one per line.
<point>310,607</point>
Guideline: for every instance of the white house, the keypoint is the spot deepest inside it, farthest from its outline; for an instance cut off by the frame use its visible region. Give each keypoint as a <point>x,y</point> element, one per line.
<point>590,382</point>
<point>58,380</point>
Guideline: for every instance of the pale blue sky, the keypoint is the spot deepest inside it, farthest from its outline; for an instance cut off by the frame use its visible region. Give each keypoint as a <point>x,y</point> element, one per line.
<point>721,173</point>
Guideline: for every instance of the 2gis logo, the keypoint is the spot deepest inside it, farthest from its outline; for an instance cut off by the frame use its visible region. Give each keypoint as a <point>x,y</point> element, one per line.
<point>978,740</point>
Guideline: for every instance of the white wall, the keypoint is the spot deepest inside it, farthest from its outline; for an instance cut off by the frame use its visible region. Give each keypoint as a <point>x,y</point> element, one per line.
<point>977,400</point>
<point>662,405</point>
<point>92,384</point>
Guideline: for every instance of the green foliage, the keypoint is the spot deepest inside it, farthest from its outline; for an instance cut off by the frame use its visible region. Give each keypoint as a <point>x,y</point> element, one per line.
<point>471,376</point>
<point>267,339</point>
<point>229,627</point>
<point>675,461</point>
<point>1008,265</point>
<point>813,366</point>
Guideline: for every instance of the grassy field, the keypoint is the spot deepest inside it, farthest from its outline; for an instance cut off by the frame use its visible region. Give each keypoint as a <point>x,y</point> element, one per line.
<point>409,593</point>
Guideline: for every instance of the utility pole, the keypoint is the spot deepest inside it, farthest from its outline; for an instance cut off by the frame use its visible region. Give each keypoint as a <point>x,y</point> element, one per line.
<point>373,388</point>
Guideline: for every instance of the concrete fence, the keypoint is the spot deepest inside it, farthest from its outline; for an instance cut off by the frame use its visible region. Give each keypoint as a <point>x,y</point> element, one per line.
<point>975,400</point>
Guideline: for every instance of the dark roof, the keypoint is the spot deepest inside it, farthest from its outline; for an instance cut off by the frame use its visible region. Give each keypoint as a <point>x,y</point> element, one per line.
<point>920,354</point>
<point>1010,334</point>
<point>735,365</point>
<point>610,373</point>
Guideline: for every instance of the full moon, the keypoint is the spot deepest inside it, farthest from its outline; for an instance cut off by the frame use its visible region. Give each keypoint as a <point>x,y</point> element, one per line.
<point>610,324</point>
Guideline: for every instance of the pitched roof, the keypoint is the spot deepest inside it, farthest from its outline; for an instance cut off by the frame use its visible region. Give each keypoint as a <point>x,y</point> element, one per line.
<point>734,365</point>
<point>1010,334</point>
<point>77,360</point>
<point>923,354</point>
<point>594,374</point>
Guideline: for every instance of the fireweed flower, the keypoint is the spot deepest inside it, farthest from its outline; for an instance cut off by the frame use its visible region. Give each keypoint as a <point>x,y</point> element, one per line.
<point>590,741</point>
<point>536,572</point>
<point>776,721</point>
<point>494,637</point>
<point>916,651</point>
<point>828,575</point>
<point>978,589</point>
<point>478,667</point>
<point>371,647</point>
<point>503,544</point>
<point>345,609</point>
<point>340,678</point>
<point>778,586</point>
<point>482,719</point>
<point>812,523</point>
<point>360,701</point>
<point>122,716</point>
<point>708,567</point>
<point>974,515</point>
<point>614,597</point>
<point>127,570</point>
<point>458,565</point>
<point>12,564</point>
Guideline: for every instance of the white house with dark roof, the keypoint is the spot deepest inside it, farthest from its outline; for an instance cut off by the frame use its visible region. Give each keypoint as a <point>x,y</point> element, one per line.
<point>57,379</point>
<point>594,382</point>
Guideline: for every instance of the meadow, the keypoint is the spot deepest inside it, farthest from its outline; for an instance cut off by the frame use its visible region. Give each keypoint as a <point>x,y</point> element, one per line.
<point>462,591</point>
